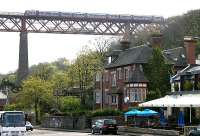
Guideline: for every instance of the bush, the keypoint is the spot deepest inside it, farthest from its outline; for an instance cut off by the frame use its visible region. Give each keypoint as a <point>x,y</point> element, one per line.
<point>198,85</point>
<point>11,107</point>
<point>70,104</point>
<point>188,86</point>
<point>106,112</point>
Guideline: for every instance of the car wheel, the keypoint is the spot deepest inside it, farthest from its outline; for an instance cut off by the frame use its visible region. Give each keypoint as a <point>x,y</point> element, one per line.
<point>115,133</point>
<point>92,131</point>
<point>31,129</point>
<point>101,131</point>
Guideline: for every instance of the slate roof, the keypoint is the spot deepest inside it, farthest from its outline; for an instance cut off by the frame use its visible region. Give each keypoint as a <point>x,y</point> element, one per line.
<point>137,76</point>
<point>176,56</point>
<point>141,55</point>
<point>134,55</point>
<point>190,70</point>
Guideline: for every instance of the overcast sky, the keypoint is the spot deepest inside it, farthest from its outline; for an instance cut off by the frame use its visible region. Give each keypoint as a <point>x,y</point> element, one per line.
<point>49,47</point>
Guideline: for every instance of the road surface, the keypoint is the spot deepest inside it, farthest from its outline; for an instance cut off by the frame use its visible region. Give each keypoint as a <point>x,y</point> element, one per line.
<point>37,132</point>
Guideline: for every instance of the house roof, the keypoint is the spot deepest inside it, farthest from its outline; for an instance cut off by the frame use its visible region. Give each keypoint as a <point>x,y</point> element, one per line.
<point>191,69</point>
<point>137,76</point>
<point>134,55</point>
<point>176,56</point>
<point>141,55</point>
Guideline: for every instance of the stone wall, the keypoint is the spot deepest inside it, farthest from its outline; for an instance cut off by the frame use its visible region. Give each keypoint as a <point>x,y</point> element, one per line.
<point>65,122</point>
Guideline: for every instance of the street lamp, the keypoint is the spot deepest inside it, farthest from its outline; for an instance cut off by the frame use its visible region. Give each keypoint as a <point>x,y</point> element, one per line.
<point>126,100</point>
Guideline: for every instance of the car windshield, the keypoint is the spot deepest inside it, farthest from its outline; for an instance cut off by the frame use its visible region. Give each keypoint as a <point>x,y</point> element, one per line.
<point>110,122</point>
<point>13,120</point>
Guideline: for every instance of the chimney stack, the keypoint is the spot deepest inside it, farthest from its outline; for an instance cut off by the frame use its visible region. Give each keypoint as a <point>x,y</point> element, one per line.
<point>156,40</point>
<point>190,47</point>
<point>125,41</point>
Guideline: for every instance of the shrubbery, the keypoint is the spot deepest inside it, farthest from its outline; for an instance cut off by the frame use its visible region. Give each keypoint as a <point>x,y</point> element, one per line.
<point>106,112</point>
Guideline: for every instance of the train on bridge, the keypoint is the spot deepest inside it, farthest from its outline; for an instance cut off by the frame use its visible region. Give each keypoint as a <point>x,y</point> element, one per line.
<point>98,16</point>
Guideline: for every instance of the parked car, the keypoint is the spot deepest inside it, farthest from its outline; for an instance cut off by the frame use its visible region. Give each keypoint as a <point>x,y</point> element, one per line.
<point>195,132</point>
<point>104,126</point>
<point>29,126</point>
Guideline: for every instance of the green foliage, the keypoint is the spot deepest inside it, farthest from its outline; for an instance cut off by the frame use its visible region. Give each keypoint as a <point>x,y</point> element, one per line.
<point>70,104</point>
<point>43,71</point>
<point>106,112</point>
<point>153,94</point>
<point>188,86</point>
<point>11,107</point>
<point>158,74</point>
<point>36,93</point>
<point>198,85</point>
<point>176,87</point>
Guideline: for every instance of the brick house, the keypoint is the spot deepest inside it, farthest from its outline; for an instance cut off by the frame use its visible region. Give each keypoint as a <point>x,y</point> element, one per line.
<point>123,82</point>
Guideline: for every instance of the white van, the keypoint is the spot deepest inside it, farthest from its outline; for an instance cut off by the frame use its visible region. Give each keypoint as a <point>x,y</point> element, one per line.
<point>12,123</point>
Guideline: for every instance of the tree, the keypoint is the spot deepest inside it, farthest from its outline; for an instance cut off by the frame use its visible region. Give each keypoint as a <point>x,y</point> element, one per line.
<point>35,94</point>
<point>158,74</point>
<point>60,81</point>
<point>70,104</point>
<point>188,86</point>
<point>43,71</point>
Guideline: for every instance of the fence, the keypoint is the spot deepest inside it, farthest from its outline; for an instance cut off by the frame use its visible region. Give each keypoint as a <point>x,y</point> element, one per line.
<point>65,122</point>
<point>189,129</point>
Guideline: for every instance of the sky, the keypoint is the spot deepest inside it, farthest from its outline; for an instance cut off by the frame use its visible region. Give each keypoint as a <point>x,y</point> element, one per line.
<point>49,47</point>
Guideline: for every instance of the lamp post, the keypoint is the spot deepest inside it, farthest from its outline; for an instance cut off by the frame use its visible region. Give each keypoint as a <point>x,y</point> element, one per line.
<point>126,100</point>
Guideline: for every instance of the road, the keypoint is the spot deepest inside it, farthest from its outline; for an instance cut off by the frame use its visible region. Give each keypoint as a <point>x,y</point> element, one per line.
<point>57,133</point>
<point>38,132</point>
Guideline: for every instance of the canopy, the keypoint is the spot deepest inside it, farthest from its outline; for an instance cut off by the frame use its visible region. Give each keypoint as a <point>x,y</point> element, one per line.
<point>186,100</point>
<point>147,113</point>
<point>132,112</point>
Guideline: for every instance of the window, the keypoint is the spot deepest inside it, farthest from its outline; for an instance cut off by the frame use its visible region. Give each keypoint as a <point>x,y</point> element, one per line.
<point>113,79</point>
<point>137,95</point>
<point>106,76</point>
<point>98,97</point>
<point>126,74</point>
<point>119,73</point>
<point>114,99</point>
<point>98,75</point>
<point>141,68</point>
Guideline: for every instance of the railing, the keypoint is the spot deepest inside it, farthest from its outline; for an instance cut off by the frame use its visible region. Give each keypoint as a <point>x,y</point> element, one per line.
<point>189,129</point>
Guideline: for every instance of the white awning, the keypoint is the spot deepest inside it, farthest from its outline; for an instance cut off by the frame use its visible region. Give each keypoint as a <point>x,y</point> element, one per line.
<point>187,100</point>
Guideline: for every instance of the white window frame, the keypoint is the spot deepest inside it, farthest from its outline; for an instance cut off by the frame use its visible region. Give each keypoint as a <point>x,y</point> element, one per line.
<point>98,97</point>
<point>136,94</point>
<point>119,73</point>
<point>113,79</point>
<point>114,97</point>
<point>126,73</point>
<point>98,77</point>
